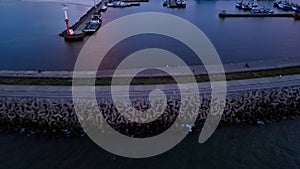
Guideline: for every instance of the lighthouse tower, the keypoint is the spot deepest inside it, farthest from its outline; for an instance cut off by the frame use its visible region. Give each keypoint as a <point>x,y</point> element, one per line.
<point>69,31</point>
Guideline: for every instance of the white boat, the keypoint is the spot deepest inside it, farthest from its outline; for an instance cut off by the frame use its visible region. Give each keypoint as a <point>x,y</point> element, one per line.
<point>103,8</point>
<point>255,4</point>
<point>181,3</point>
<point>96,18</point>
<point>92,27</point>
<point>118,4</point>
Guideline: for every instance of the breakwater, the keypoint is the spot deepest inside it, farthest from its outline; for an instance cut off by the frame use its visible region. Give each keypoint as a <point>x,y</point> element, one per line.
<point>223,14</point>
<point>56,117</point>
<point>97,9</point>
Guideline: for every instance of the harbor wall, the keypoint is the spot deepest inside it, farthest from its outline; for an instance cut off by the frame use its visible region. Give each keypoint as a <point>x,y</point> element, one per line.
<point>56,117</point>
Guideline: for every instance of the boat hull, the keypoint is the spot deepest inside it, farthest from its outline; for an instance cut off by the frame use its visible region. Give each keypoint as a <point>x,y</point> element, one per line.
<point>74,37</point>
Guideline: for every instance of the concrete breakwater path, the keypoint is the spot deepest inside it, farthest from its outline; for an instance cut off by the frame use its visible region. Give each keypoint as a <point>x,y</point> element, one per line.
<point>140,90</point>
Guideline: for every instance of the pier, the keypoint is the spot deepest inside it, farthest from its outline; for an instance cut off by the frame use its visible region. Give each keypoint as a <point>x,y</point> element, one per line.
<point>223,14</point>
<point>79,26</point>
<point>81,23</point>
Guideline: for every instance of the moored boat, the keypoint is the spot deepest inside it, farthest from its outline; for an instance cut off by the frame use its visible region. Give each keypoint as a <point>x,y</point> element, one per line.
<point>92,27</point>
<point>181,3</point>
<point>284,6</point>
<point>246,7</point>
<point>276,4</point>
<point>287,6</point>
<point>165,3</point>
<point>295,7</point>
<point>118,4</point>
<point>261,11</point>
<point>96,17</point>
<point>255,4</point>
<point>103,8</point>
<point>239,5</point>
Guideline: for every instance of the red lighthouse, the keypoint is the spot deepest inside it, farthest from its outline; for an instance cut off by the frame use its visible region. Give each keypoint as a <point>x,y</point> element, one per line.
<point>70,35</point>
<point>70,32</point>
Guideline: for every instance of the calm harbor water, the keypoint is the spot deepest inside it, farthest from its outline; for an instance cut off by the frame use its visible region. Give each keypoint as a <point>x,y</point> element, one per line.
<point>270,146</point>
<point>30,41</point>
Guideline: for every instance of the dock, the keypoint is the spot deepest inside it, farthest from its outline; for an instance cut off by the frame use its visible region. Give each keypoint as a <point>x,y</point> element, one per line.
<point>223,14</point>
<point>79,26</point>
<point>81,23</point>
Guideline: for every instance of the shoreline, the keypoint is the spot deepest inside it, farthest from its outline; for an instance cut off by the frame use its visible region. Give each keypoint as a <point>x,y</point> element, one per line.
<point>197,69</point>
<point>233,72</point>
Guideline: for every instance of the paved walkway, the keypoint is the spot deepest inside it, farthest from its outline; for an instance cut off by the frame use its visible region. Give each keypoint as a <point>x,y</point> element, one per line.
<point>198,70</point>
<point>140,90</point>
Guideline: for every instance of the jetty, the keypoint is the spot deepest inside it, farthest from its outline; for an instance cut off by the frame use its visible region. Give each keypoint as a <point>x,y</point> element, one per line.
<point>79,26</point>
<point>81,23</point>
<point>224,14</point>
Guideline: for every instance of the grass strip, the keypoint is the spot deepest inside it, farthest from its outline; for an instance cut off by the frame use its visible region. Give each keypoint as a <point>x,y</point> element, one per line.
<point>151,80</point>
